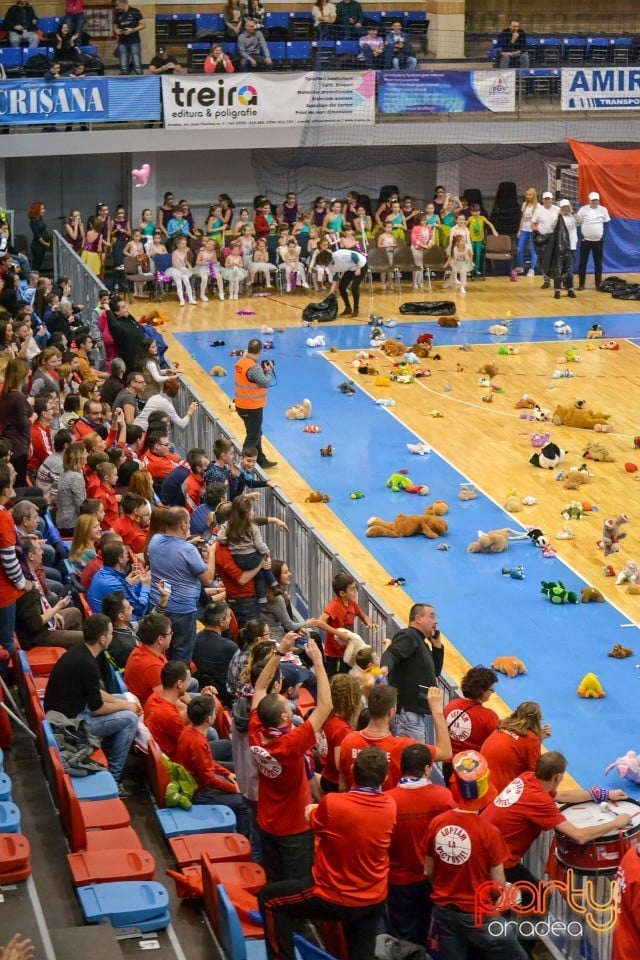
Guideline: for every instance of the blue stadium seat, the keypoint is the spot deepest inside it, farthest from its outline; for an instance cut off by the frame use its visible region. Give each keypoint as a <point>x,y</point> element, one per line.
<point>298,53</point>
<point>95,786</point>
<point>301,26</point>
<point>599,49</point>
<point>209,25</point>
<point>9,818</point>
<point>11,57</point>
<point>309,951</point>
<point>5,788</point>
<point>201,818</point>
<point>417,27</point>
<point>277,51</point>
<point>234,946</point>
<point>231,48</point>
<point>373,16</point>
<point>27,53</point>
<point>324,51</point>
<point>132,903</point>
<point>532,48</point>
<point>550,51</point>
<point>575,50</point>
<point>276,26</point>
<point>91,51</point>
<point>48,25</point>
<point>622,49</point>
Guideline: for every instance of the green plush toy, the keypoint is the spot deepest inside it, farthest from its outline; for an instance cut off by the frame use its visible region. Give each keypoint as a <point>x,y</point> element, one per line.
<point>398,482</point>
<point>181,787</point>
<point>556,592</point>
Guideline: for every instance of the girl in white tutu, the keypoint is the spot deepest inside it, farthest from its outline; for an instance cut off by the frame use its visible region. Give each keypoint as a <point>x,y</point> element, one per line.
<point>233,270</point>
<point>208,268</point>
<point>293,269</point>
<point>260,265</point>
<point>180,271</point>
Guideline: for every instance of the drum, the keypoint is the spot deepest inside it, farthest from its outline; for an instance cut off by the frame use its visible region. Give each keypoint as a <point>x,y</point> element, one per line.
<point>604,854</point>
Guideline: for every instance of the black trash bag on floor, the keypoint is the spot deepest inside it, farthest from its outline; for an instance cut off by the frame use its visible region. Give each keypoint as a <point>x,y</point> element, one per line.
<point>321,312</point>
<point>630,291</point>
<point>430,308</point>
<point>612,284</point>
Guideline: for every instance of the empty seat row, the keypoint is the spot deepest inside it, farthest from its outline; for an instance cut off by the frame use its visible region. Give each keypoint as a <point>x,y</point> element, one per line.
<point>15,58</point>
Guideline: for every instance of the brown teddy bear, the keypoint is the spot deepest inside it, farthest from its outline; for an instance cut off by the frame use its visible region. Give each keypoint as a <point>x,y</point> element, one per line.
<point>393,349</point>
<point>597,451</point>
<point>573,479</point>
<point>489,369</point>
<point>579,416</point>
<point>591,595</point>
<point>495,541</point>
<point>421,350</point>
<point>429,523</point>
<point>448,322</point>
<point>526,402</point>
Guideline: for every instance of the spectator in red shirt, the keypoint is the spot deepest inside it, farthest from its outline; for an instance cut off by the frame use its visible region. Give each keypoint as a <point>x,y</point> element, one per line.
<point>13,583</point>
<point>347,703</point>
<point>348,883</point>
<point>195,484</point>
<point>238,584</point>
<point>382,709</point>
<point>133,525</point>
<point>145,663</point>
<point>463,852</point>
<point>514,746</point>
<point>468,720</point>
<point>418,802</point>
<point>215,783</point>
<point>41,439</point>
<point>106,492</point>
<point>280,754</point>
<point>158,459</point>
<point>626,933</point>
<point>165,712</point>
<point>340,613</point>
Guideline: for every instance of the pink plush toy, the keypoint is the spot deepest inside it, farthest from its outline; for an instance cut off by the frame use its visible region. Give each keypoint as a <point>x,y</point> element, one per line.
<point>627,766</point>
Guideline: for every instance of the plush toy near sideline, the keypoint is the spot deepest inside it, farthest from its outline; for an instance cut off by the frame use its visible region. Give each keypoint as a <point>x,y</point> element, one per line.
<point>556,592</point>
<point>618,652</point>
<point>548,457</point>
<point>611,534</point>
<point>511,666</point>
<point>627,766</point>
<point>429,523</point>
<point>591,595</point>
<point>495,541</point>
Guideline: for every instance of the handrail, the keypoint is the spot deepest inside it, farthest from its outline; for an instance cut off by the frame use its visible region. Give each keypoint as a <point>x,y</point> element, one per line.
<point>85,285</point>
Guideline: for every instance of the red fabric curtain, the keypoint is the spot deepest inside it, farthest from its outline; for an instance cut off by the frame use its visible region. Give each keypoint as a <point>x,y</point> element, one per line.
<point>614,174</point>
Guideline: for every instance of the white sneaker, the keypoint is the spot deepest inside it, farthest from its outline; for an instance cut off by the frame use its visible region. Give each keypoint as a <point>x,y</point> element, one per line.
<point>288,288</point>
<point>221,296</point>
<point>531,273</point>
<point>193,301</point>
<point>181,302</point>
<point>462,289</point>
<point>204,298</point>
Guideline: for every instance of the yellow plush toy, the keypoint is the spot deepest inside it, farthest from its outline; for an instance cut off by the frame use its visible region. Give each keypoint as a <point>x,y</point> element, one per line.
<point>590,687</point>
<point>429,523</point>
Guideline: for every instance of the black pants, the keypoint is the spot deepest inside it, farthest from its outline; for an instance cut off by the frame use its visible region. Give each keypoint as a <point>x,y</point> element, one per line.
<point>252,420</point>
<point>290,856</point>
<point>282,904</point>
<point>587,247</point>
<point>20,462</point>
<point>409,911</point>
<point>350,280</point>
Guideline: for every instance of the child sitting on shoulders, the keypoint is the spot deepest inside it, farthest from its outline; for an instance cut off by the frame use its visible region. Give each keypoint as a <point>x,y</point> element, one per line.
<point>245,543</point>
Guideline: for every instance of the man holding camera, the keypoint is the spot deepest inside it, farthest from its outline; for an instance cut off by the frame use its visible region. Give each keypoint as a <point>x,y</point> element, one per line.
<point>251,380</point>
<point>399,54</point>
<point>413,662</point>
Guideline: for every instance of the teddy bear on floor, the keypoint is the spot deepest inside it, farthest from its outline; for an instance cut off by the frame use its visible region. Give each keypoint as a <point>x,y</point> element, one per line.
<point>429,523</point>
<point>448,322</point>
<point>495,541</point>
<point>299,411</point>
<point>611,534</point>
<point>393,349</point>
<point>598,452</point>
<point>510,666</point>
<point>579,416</point>
<point>574,479</point>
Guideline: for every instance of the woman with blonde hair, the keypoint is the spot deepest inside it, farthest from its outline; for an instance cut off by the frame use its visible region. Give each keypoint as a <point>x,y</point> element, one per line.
<point>346,698</point>
<point>83,547</point>
<point>15,416</point>
<point>525,233</point>
<point>514,748</point>
<point>72,489</point>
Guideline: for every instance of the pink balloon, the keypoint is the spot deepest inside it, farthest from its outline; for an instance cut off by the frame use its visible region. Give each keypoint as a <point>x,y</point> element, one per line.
<point>141,175</point>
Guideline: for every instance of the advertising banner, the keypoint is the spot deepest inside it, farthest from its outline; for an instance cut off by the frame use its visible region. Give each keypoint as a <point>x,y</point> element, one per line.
<point>449,91</point>
<point>86,100</point>
<point>605,89</point>
<point>268,100</point>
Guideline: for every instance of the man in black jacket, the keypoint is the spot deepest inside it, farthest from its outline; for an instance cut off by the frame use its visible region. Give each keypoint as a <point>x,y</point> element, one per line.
<point>126,332</point>
<point>512,44</point>
<point>413,662</point>
<point>21,22</point>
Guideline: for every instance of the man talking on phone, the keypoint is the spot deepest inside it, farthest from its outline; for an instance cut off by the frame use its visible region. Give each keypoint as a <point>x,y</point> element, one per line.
<point>412,663</point>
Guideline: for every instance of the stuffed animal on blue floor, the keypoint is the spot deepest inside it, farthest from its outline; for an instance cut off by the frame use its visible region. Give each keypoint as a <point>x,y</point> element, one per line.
<point>556,592</point>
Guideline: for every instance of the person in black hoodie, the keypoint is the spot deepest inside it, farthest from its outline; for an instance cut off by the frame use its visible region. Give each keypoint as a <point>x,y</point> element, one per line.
<point>21,22</point>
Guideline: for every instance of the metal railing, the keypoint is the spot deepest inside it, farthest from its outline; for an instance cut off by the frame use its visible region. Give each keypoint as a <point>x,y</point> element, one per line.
<point>85,285</point>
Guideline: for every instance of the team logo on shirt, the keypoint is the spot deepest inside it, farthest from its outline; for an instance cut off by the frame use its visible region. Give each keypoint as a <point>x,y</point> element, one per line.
<point>511,793</point>
<point>460,729</point>
<point>323,746</point>
<point>266,764</point>
<point>453,845</point>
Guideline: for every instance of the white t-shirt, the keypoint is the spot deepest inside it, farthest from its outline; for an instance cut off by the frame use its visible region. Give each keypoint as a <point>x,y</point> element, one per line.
<point>528,210</point>
<point>545,219</point>
<point>592,221</point>
<point>344,260</point>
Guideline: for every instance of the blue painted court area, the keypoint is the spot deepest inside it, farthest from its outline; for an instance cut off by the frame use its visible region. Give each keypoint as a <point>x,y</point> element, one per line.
<point>482,613</point>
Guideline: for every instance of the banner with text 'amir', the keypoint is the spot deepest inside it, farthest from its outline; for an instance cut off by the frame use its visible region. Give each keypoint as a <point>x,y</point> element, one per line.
<point>268,100</point>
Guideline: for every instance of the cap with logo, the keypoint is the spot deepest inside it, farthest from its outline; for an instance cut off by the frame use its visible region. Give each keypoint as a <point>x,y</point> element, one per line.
<point>594,196</point>
<point>470,781</point>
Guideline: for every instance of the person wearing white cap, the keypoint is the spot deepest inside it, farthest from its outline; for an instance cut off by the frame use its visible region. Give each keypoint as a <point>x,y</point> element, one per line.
<point>591,217</point>
<point>566,212</point>
<point>543,223</point>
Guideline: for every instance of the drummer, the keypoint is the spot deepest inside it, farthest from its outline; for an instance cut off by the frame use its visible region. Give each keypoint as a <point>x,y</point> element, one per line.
<point>528,805</point>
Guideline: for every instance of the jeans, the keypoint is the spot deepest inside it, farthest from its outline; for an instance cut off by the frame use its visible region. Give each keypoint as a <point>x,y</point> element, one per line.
<point>525,243</point>
<point>7,642</point>
<point>248,561</point>
<point>458,931</point>
<point>130,58</point>
<point>184,636</point>
<point>404,62</point>
<point>409,911</point>
<point>372,63</point>
<point>244,609</point>
<point>286,857</point>
<point>118,730</point>
<point>252,420</point>
<point>416,725</point>
<point>519,62</point>
<point>15,38</point>
<point>246,66</point>
<point>234,801</point>
<point>588,247</point>
<point>282,905</point>
<point>76,23</point>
